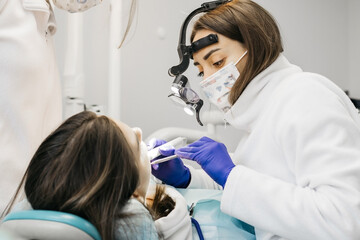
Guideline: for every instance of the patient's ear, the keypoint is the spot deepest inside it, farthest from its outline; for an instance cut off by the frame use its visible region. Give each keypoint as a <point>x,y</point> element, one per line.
<point>138,133</point>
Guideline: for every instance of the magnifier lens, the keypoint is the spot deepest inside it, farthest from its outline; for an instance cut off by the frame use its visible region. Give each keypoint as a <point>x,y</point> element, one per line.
<point>189,94</point>
<point>175,89</point>
<point>189,110</point>
<point>177,99</point>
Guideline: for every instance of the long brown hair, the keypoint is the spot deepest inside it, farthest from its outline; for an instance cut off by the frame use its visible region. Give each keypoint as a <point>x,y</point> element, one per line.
<point>85,167</point>
<point>247,22</point>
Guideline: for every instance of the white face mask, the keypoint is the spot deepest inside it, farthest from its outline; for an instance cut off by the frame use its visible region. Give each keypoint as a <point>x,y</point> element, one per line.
<point>76,5</point>
<point>217,86</point>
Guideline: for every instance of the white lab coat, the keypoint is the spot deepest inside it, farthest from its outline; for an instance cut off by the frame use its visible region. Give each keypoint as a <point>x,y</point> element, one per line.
<point>298,161</point>
<point>30,92</point>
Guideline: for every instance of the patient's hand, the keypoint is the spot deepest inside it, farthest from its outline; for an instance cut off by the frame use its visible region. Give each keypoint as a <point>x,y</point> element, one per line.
<point>172,172</point>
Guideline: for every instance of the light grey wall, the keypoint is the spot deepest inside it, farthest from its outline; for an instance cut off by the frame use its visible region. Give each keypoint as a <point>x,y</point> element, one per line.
<point>319,36</point>
<point>354,48</point>
<point>315,35</point>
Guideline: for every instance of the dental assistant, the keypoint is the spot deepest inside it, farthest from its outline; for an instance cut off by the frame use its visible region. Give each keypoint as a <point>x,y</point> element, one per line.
<point>296,171</point>
<point>30,93</point>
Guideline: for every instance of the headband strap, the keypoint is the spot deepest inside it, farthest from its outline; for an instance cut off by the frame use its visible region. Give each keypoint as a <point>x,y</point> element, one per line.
<point>202,43</point>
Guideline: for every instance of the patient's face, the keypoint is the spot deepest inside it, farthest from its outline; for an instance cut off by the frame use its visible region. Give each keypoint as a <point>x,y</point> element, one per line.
<point>134,138</point>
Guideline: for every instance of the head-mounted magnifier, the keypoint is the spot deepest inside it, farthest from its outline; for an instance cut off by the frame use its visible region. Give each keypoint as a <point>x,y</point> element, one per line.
<point>186,97</point>
<point>182,93</point>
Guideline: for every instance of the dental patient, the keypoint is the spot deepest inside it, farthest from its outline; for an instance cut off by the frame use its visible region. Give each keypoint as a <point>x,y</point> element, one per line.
<point>98,169</point>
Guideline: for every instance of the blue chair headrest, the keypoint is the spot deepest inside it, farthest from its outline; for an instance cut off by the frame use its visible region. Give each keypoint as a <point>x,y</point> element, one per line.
<point>55,216</point>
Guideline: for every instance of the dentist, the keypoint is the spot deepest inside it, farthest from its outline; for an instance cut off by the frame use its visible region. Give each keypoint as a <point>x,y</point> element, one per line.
<point>296,171</point>
<point>30,92</point>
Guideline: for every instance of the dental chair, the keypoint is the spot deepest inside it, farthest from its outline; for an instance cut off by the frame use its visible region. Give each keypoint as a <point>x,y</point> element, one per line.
<point>50,225</point>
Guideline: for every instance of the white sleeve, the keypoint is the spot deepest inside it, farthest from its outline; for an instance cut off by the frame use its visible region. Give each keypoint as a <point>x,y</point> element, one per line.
<point>200,179</point>
<point>321,144</point>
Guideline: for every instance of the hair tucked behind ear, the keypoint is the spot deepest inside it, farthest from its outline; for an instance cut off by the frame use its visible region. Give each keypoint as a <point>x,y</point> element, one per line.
<point>247,22</point>
<point>85,167</point>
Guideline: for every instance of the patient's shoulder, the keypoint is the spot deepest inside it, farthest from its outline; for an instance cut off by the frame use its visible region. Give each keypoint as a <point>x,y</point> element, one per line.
<point>136,222</point>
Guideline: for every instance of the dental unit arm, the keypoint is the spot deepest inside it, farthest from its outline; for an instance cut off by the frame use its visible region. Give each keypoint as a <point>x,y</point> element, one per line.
<point>185,53</point>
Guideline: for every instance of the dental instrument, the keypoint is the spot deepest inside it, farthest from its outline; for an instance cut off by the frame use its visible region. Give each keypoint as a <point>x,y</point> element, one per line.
<point>165,159</point>
<point>175,143</point>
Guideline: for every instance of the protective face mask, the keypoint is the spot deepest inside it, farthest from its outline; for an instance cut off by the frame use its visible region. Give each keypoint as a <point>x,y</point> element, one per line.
<point>217,86</point>
<point>76,5</point>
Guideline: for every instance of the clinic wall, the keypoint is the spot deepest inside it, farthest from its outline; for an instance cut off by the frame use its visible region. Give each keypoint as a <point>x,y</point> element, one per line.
<point>354,48</point>
<point>313,32</point>
<point>313,39</point>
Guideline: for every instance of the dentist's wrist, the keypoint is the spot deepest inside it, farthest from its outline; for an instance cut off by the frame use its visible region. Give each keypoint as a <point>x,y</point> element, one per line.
<point>226,175</point>
<point>184,180</point>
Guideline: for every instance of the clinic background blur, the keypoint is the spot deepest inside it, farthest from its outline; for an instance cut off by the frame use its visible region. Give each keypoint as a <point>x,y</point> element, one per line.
<point>320,36</point>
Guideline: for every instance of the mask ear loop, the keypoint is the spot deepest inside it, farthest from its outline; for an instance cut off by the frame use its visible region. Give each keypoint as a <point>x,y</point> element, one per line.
<point>241,57</point>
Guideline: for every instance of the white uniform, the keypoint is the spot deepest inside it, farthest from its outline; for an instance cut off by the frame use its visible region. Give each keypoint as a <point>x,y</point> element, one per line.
<point>298,162</point>
<point>30,92</point>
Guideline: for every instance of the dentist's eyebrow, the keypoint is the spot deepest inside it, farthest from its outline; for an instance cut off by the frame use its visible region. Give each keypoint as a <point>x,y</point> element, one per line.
<point>208,55</point>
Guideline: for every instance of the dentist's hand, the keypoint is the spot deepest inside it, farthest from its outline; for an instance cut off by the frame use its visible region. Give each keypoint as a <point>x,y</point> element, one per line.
<point>212,156</point>
<point>172,172</point>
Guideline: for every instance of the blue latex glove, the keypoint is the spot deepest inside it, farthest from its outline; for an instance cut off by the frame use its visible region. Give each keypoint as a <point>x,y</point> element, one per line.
<point>172,172</point>
<point>212,156</point>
